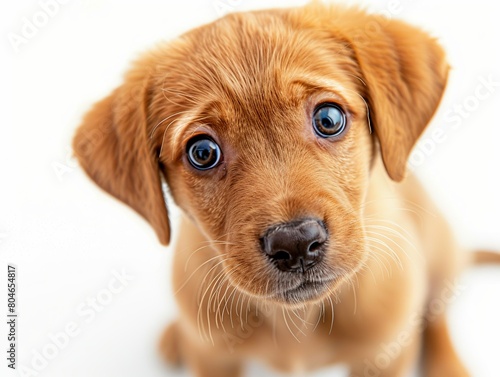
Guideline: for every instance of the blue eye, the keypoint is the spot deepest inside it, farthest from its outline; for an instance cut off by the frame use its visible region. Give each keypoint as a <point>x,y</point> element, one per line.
<point>329,120</point>
<point>203,153</point>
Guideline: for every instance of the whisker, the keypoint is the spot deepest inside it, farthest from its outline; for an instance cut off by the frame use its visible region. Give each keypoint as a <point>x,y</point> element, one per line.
<point>200,266</point>
<point>288,326</point>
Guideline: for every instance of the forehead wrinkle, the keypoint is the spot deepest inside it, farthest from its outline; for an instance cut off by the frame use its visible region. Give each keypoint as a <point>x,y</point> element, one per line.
<point>180,127</point>
<point>350,97</point>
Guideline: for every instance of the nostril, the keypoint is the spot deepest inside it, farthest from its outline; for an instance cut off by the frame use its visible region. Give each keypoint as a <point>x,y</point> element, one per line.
<point>314,246</point>
<point>281,255</point>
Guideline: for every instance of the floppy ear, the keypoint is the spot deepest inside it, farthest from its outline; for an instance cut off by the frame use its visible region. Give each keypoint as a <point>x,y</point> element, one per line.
<point>112,146</point>
<point>405,74</point>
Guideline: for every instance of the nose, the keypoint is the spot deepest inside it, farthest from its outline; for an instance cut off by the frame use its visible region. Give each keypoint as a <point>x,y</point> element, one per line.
<point>296,246</point>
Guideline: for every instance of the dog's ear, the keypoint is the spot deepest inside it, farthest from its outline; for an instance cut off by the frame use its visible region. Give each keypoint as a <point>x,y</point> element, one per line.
<point>405,73</point>
<point>113,147</point>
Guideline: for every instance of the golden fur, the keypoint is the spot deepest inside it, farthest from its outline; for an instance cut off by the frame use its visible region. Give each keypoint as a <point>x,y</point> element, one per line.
<point>251,81</point>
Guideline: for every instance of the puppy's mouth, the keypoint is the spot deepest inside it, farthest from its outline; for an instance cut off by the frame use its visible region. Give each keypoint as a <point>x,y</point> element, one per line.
<point>307,290</point>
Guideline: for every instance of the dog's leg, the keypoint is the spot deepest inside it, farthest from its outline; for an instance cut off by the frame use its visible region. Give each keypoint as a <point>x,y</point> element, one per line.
<point>440,358</point>
<point>170,346</point>
<point>177,350</point>
<point>206,365</point>
<point>210,362</point>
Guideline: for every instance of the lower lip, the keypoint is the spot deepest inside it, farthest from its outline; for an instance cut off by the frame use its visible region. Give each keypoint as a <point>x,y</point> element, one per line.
<point>305,291</point>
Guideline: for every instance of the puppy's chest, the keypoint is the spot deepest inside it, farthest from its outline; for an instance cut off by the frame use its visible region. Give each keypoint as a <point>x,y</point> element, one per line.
<point>294,341</point>
<point>290,341</point>
<point>292,347</point>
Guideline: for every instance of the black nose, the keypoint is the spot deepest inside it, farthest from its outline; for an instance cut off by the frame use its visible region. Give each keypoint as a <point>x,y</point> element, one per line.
<point>295,246</point>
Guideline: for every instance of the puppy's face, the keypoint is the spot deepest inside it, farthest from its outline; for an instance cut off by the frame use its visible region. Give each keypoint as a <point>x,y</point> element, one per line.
<point>270,155</point>
<point>260,123</point>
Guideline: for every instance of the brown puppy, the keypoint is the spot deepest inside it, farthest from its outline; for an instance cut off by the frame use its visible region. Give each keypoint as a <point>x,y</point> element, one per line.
<point>282,135</point>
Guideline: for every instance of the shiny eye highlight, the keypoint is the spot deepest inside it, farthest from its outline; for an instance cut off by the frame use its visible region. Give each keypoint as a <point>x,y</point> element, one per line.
<point>203,153</point>
<point>329,120</point>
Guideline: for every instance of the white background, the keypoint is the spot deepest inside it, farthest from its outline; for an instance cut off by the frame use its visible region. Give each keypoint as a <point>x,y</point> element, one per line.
<point>67,237</point>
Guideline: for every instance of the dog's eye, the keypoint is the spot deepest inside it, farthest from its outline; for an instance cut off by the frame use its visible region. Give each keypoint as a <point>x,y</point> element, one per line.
<point>203,153</point>
<point>329,120</point>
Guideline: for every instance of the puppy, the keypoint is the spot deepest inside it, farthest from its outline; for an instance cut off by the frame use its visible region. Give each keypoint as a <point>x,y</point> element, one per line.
<point>283,136</point>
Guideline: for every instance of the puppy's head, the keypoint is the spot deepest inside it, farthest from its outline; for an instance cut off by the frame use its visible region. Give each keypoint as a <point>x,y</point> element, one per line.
<point>265,126</point>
